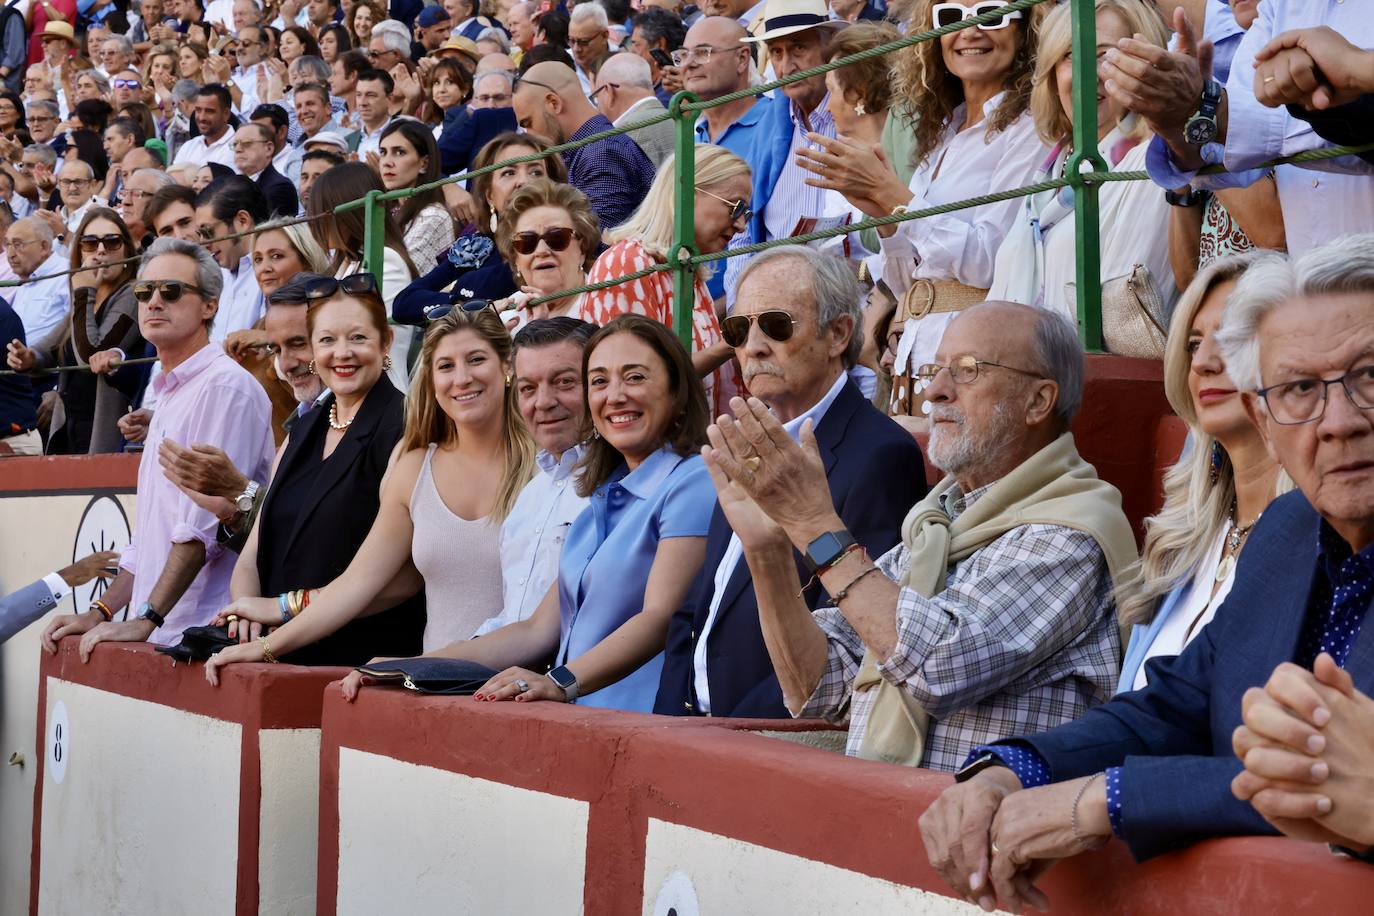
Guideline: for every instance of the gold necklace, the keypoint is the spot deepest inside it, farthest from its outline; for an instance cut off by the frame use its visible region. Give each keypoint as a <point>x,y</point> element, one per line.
<point>1234,538</point>
<point>334,418</point>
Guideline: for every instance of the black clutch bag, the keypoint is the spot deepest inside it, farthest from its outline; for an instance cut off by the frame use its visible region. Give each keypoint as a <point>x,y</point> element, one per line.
<point>451,676</point>
<point>199,643</point>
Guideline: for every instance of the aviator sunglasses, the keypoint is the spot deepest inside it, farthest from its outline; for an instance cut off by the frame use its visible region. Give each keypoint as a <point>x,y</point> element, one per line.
<point>557,239</point>
<point>777,325</point>
<point>171,290</point>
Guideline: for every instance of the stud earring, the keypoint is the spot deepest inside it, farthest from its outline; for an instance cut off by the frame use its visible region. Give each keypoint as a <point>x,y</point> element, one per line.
<point>312,367</point>
<point>860,110</point>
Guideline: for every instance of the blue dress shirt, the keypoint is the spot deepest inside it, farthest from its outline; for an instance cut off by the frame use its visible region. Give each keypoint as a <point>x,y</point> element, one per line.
<point>609,552</point>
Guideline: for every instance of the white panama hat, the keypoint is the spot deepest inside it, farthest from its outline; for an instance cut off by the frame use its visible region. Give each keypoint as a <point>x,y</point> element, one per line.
<point>783,17</point>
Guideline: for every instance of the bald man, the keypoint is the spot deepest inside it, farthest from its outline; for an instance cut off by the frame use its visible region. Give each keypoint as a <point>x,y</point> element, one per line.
<point>613,172</point>
<point>624,93</point>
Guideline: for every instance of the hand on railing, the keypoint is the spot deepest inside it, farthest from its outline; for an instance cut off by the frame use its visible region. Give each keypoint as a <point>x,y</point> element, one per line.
<point>105,362</point>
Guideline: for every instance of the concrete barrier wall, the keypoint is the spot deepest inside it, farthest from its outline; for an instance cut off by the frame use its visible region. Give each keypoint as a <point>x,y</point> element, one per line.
<point>476,808</point>
<point>158,793</point>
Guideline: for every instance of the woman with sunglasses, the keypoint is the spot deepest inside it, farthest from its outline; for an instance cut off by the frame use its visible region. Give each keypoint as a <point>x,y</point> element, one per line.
<point>969,93</point>
<point>407,157</point>
<point>325,490</point>
<point>344,234</point>
<point>548,235</point>
<point>101,332</point>
<point>463,459</point>
<point>473,267</point>
<point>629,558</point>
<point>723,190</point>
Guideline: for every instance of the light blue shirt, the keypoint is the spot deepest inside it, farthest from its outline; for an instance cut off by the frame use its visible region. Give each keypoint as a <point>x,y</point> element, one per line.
<point>44,304</point>
<point>609,552</point>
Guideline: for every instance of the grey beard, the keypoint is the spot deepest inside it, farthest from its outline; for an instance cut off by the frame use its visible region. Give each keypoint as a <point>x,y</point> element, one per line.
<point>957,453</point>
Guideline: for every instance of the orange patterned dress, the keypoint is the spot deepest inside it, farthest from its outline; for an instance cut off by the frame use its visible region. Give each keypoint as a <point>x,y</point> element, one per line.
<point>652,297</point>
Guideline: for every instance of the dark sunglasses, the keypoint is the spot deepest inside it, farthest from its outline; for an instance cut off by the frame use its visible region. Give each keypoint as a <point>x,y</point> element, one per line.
<point>127,84</point>
<point>171,290</point>
<point>776,324</point>
<point>557,239</point>
<point>435,312</point>
<point>89,243</point>
<point>351,285</point>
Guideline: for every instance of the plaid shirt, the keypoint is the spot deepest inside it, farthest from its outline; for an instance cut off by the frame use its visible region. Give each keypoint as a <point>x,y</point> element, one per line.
<point>613,172</point>
<point>1024,637</point>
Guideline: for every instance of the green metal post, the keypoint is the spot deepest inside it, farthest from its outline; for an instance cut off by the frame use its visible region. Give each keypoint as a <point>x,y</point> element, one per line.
<point>1086,158</point>
<point>684,233</point>
<point>374,236</point>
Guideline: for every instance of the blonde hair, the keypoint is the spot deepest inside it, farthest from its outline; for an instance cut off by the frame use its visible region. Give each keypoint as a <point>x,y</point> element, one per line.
<point>1052,122</point>
<point>1196,510</point>
<point>931,93</point>
<point>426,423</point>
<point>652,225</point>
<point>312,256</point>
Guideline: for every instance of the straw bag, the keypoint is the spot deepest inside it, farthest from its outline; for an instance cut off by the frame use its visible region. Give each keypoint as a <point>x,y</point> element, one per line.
<point>1133,319</point>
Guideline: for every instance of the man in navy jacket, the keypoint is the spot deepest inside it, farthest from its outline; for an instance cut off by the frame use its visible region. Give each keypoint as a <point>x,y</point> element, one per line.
<point>1154,766</point>
<point>874,468</point>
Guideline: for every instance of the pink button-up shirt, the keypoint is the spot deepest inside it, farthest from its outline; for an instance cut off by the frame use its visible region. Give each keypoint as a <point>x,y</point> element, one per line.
<point>207,399</point>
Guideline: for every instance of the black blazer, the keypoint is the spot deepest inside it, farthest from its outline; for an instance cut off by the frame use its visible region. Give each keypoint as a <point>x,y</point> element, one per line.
<point>876,475</point>
<point>311,543</point>
<point>279,191</point>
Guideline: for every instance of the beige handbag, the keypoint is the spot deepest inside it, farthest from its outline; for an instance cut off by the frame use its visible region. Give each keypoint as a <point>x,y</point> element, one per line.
<point>1133,319</point>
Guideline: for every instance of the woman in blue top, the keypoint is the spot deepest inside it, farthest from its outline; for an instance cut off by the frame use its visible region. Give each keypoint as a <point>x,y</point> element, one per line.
<point>630,556</point>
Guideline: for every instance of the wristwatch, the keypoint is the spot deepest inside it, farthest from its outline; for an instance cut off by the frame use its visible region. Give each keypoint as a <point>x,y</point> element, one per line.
<point>1202,126</point>
<point>1189,198</point>
<point>146,612</point>
<point>826,549</point>
<point>976,766</point>
<point>244,501</point>
<point>566,680</point>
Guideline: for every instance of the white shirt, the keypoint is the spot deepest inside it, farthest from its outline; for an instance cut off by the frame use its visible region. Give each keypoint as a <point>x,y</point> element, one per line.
<point>197,152</point>
<point>371,142</point>
<point>43,305</point>
<point>241,303</point>
<point>1193,612</point>
<point>288,162</point>
<point>532,537</point>
<point>247,81</point>
<point>221,12</point>
<point>961,245</point>
<point>734,552</point>
<point>74,217</point>
<point>1321,201</point>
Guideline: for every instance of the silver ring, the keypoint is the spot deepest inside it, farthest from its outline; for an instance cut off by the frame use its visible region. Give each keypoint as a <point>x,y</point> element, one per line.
<point>995,850</point>
<point>522,685</point>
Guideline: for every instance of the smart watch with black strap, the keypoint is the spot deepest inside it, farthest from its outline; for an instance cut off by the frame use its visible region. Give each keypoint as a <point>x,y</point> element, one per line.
<point>826,550</point>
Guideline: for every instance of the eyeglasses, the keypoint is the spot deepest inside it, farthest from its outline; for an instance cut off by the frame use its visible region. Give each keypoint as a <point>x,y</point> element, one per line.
<point>351,285</point>
<point>965,370</point>
<point>602,88</point>
<point>684,56</point>
<point>73,182</point>
<point>557,239</point>
<point>943,14</point>
<point>127,194</point>
<point>170,290</point>
<point>435,312</point>
<point>523,81</point>
<point>583,42</point>
<point>500,100</point>
<point>739,210</point>
<point>126,84</point>
<point>41,119</point>
<point>111,242</point>
<point>776,325</point>
<point>1304,400</point>
<point>239,145</point>
<point>15,244</point>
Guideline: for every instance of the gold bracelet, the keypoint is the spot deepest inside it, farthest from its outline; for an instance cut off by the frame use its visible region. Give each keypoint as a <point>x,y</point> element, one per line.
<point>844,592</point>
<point>294,602</point>
<point>104,609</point>
<point>267,655</point>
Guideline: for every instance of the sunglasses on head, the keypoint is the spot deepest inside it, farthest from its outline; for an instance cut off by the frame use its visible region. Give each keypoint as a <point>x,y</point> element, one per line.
<point>351,285</point>
<point>557,239</point>
<point>170,290</point>
<point>777,325</point>
<point>435,312</point>
<point>943,14</point>
<point>112,242</point>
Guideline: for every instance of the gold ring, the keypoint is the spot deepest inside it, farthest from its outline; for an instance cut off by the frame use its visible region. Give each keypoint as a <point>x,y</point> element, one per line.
<point>233,618</point>
<point>753,464</point>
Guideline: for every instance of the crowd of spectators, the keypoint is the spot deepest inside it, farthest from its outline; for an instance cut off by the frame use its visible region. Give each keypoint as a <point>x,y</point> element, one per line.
<point>475,460</point>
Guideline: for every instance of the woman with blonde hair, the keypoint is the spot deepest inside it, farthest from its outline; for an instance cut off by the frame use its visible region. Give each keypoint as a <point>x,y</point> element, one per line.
<point>969,93</point>
<point>461,462</point>
<point>721,207</point>
<point>1214,493</point>
<point>1036,262</point>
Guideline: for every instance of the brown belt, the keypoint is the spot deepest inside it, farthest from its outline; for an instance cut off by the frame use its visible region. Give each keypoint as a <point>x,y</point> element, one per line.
<point>927,297</point>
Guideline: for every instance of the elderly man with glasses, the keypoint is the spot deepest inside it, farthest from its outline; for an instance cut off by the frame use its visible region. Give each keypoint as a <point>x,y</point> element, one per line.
<point>995,615</point>
<point>1155,766</point>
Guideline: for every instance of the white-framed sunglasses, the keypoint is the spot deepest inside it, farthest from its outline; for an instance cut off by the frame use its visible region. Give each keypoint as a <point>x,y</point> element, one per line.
<point>943,14</point>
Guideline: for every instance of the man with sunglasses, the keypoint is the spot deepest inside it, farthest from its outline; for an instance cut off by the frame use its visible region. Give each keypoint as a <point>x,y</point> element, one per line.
<point>174,573</point>
<point>796,330</point>
<point>1156,766</point>
<point>613,172</point>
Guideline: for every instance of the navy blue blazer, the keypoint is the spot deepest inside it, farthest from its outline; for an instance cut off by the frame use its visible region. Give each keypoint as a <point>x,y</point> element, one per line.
<point>876,475</point>
<point>1173,737</point>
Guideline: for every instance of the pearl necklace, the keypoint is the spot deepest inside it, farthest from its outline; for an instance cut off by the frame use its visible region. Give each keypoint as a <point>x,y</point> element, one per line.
<point>334,418</point>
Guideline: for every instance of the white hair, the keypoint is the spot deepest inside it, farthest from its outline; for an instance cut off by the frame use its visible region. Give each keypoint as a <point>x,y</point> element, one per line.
<point>209,277</point>
<point>627,69</point>
<point>41,230</point>
<point>120,41</point>
<point>496,35</point>
<point>395,36</point>
<point>83,164</point>
<point>590,11</point>
<point>1345,265</point>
